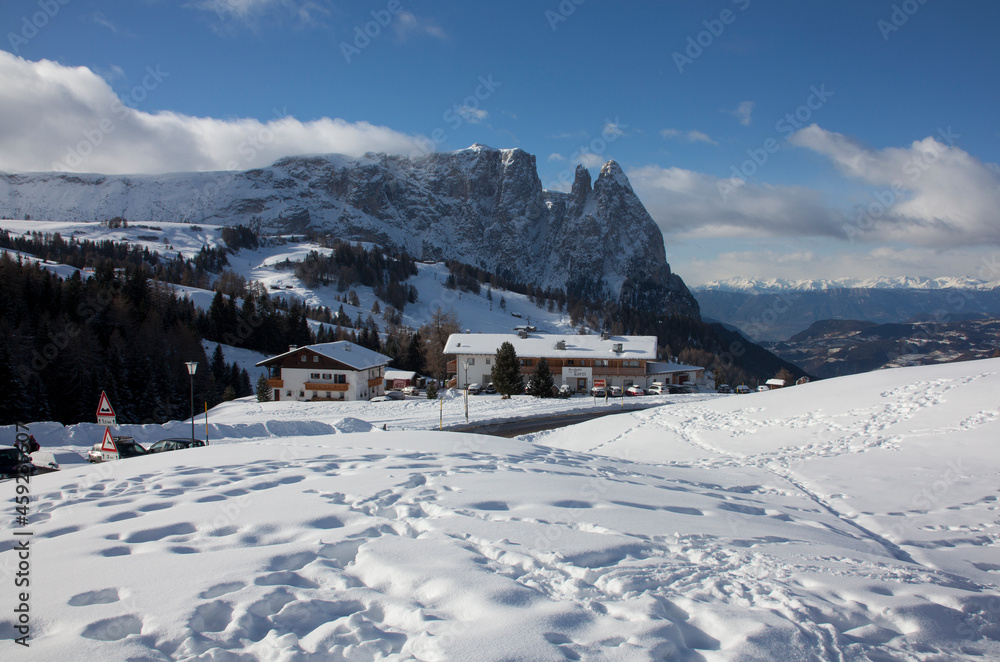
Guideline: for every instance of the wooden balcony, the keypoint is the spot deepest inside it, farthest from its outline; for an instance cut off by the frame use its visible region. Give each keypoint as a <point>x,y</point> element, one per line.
<point>375,381</point>
<point>314,386</point>
<point>276,383</point>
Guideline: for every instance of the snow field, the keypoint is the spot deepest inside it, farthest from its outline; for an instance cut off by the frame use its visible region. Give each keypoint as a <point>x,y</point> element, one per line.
<point>851,519</point>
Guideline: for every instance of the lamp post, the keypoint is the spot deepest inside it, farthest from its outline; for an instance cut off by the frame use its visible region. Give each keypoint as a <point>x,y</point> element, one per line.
<point>192,367</point>
<point>465,364</point>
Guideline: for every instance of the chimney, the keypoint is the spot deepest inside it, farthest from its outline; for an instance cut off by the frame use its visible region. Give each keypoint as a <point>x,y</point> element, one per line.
<point>605,335</point>
<point>522,334</point>
<point>617,348</point>
<point>561,344</point>
<point>292,348</point>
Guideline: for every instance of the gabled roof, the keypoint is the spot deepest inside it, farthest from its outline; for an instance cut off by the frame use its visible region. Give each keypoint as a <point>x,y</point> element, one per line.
<point>348,353</point>
<point>537,345</point>
<point>400,374</point>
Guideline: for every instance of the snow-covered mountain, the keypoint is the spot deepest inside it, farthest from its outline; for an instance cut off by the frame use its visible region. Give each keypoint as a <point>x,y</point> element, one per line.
<point>482,206</point>
<point>770,285</point>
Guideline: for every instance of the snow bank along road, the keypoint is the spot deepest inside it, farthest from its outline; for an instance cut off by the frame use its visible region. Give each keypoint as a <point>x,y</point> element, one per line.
<point>854,519</point>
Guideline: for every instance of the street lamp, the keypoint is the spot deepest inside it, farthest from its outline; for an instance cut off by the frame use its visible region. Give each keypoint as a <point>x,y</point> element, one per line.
<point>192,367</point>
<point>465,364</point>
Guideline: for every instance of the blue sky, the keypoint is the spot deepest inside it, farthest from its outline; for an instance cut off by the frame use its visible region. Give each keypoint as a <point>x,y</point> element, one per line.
<point>794,139</point>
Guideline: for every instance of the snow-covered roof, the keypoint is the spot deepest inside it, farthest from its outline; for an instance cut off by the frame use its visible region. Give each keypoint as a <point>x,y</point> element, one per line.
<point>537,345</point>
<point>775,382</point>
<point>665,368</point>
<point>400,374</point>
<point>348,353</point>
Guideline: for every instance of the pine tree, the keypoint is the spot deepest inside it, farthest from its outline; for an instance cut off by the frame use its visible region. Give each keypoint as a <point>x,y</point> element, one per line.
<point>432,390</point>
<point>542,381</point>
<point>506,371</point>
<point>264,390</point>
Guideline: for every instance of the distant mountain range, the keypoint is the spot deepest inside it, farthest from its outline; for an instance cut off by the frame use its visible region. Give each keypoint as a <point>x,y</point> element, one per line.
<point>481,206</point>
<point>772,285</point>
<point>833,348</point>
<point>774,310</point>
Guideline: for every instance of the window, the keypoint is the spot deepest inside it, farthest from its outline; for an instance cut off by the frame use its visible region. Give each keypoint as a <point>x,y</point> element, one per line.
<point>302,358</point>
<point>326,375</point>
<point>600,363</point>
<point>487,361</point>
<point>472,361</point>
<point>630,364</point>
<point>313,375</point>
<point>302,394</point>
<point>315,359</point>
<point>340,379</point>
<point>569,362</point>
<point>288,393</point>
<point>527,363</point>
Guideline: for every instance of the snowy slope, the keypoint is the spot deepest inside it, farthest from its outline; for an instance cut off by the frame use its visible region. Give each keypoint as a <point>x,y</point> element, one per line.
<point>853,519</point>
<point>475,312</point>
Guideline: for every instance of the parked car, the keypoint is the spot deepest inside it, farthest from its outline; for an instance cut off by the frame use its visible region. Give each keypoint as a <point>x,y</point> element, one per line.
<point>411,390</point>
<point>635,390</point>
<point>598,392</point>
<point>742,389</point>
<point>125,447</point>
<point>762,389</point>
<point>490,388</point>
<point>689,388</point>
<point>474,388</point>
<point>15,462</point>
<point>615,391</point>
<point>655,389</point>
<point>174,445</point>
<point>724,388</point>
<point>674,389</point>
<point>389,395</point>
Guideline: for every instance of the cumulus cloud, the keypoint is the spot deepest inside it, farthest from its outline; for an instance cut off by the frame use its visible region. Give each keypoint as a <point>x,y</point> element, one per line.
<point>930,193</point>
<point>687,136</point>
<point>696,205</point>
<point>54,117</point>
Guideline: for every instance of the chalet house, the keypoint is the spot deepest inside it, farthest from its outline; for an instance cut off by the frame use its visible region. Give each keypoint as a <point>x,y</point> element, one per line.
<point>326,372</point>
<point>573,359</point>
<point>401,378</point>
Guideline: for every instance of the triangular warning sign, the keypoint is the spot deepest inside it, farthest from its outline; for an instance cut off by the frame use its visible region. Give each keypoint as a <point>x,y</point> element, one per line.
<point>108,445</point>
<point>104,406</point>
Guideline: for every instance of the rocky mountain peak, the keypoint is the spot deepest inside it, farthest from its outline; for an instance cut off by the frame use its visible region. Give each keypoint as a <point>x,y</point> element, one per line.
<point>480,205</point>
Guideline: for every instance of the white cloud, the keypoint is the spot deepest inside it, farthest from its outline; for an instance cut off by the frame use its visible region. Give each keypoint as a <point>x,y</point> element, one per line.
<point>589,159</point>
<point>743,112</point>
<point>472,115</point>
<point>696,205</point>
<point>930,193</point>
<point>249,13</point>
<point>555,156</point>
<point>687,136</point>
<point>54,117</point>
<point>612,130</point>
<point>407,23</point>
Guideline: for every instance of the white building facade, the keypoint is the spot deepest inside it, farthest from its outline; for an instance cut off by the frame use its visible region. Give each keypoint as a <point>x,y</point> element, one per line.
<point>577,361</point>
<point>327,372</point>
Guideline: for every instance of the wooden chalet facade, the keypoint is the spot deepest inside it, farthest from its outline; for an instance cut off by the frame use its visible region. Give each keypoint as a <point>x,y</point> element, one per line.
<point>326,372</point>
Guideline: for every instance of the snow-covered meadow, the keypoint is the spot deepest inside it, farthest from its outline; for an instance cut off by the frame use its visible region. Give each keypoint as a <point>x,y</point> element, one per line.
<point>854,519</point>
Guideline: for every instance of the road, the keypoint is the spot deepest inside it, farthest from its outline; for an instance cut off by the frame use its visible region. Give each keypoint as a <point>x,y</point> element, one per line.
<point>514,428</point>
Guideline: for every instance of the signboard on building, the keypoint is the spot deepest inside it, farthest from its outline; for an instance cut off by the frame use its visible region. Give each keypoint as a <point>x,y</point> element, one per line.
<point>600,383</point>
<point>400,383</point>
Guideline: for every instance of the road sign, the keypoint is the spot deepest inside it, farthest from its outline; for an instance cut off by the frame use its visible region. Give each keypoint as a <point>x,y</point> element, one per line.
<point>108,445</point>
<point>105,414</point>
<point>599,383</point>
